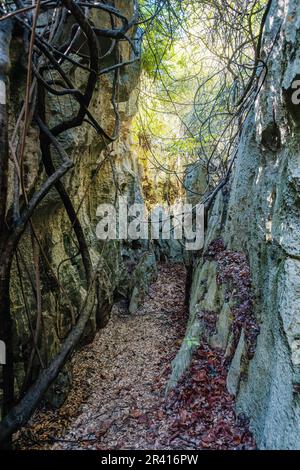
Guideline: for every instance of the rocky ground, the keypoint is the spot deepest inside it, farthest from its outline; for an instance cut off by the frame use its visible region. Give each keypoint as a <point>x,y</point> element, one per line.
<point>118,396</point>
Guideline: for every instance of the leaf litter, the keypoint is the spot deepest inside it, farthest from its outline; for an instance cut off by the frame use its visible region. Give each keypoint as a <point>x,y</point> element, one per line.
<point>117,399</point>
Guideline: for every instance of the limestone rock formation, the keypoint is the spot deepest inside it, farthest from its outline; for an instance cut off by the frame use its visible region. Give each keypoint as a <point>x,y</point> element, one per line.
<point>247,300</point>
<point>101,173</point>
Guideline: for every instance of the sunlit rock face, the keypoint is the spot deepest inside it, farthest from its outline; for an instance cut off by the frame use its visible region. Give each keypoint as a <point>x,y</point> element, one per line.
<point>260,221</point>
<point>99,176</point>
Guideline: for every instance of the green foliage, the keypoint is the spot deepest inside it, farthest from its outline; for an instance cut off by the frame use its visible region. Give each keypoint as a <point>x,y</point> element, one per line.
<point>196,65</point>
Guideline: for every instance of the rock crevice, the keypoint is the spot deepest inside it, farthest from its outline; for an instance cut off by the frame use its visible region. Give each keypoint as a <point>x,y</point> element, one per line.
<point>260,222</point>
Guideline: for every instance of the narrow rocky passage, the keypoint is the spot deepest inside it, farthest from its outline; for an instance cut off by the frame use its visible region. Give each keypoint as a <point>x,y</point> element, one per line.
<point>118,396</point>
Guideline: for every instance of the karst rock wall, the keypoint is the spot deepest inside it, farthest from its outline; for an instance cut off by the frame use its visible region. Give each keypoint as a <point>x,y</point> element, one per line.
<point>101,173</point>
<point>245,297</point>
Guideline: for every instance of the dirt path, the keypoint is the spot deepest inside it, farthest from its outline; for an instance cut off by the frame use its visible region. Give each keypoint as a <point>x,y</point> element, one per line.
<point>118,396</point>
<point>120,378</point>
